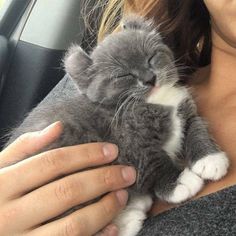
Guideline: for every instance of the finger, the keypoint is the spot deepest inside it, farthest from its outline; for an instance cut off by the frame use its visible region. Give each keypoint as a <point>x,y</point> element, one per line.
<point>43,168</point>
<point>86,221</point>
<point>57,197</point>
<point>110,230</point>
<point>29,144</point>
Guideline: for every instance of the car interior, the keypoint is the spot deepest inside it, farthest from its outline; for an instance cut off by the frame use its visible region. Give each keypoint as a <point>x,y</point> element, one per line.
<point>34,35</point>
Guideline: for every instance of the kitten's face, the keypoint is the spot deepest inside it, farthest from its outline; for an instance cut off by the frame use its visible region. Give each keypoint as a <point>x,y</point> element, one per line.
<point>130,63</point>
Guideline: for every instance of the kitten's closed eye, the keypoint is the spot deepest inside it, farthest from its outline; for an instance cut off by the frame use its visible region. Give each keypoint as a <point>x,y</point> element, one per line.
<point>158,60</point>
<point>150,60</point>
<point>126,75</point>
<point>124,80</point>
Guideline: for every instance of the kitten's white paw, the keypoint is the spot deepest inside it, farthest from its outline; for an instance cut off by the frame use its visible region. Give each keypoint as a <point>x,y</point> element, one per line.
<point>212,167</point>
<point>141,202</point>
<point>130,223</point>
<point>188,185</point>
<point>130,220</point>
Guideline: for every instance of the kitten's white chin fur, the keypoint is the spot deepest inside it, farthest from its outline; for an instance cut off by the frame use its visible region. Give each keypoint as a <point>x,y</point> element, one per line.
<point>154,90</point>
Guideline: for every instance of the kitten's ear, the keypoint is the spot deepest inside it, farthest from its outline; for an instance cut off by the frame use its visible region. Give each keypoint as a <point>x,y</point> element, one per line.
<point>135,22</point>
<point>77,63</point>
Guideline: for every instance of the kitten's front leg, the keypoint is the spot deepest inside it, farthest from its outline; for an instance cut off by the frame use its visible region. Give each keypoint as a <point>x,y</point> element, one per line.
<point>207,160</point>
<point>130,220</point>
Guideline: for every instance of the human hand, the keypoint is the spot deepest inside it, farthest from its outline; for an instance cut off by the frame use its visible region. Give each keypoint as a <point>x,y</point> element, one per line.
<point>31,193</point>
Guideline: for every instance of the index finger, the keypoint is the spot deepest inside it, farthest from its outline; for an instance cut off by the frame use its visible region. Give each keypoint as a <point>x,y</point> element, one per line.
<point>29,144</point>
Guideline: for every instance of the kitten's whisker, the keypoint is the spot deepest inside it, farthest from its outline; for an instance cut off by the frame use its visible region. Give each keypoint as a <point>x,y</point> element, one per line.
<point>122,95</point>
<point>118,111</point>
<point>126,104</point>
<point>126,109</point>
<point>126,93</point>
<point>136,97</point>
<point>100,104</point>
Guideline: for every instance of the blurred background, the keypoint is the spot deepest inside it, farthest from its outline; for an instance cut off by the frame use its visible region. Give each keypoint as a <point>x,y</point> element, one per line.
<point>34,35</point>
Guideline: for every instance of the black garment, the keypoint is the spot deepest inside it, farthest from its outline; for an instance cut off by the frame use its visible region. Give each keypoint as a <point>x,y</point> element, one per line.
<point>214,214</point>
<point>211,215</point>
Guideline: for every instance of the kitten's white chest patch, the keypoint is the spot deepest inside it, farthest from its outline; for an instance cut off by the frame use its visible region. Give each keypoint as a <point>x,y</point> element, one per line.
<point>168,95</point>
<point>171,96</point>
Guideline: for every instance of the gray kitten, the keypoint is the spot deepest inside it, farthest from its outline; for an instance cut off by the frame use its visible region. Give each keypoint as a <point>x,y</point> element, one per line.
<point>129,95</point>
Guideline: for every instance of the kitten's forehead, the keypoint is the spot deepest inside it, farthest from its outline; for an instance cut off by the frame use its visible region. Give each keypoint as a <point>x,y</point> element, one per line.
<point>128,43</point>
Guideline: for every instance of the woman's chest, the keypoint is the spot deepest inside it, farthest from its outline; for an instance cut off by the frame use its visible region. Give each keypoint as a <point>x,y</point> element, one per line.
<point>221,119</point>
<point>220,114</point>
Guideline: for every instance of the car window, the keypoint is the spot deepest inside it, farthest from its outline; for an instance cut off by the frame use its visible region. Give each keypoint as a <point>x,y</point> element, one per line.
<point>4,4</point>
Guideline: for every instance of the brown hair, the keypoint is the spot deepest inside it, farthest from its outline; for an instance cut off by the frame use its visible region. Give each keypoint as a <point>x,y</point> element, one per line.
<point>184,25</point>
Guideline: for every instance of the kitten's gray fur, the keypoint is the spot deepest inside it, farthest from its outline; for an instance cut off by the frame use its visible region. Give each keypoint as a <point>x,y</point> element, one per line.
<point>115,82</point>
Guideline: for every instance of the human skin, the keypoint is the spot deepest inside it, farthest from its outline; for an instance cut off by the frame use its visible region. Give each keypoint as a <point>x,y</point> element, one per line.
<point>214,90</point>
<point>30,195</point>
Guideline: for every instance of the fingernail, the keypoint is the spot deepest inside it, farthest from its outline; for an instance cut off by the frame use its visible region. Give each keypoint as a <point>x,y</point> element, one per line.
<point>48,128</point>
<point>129,174</point>
<point>122,196</point>
<point>110,151</point>
<point>111,230</point>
